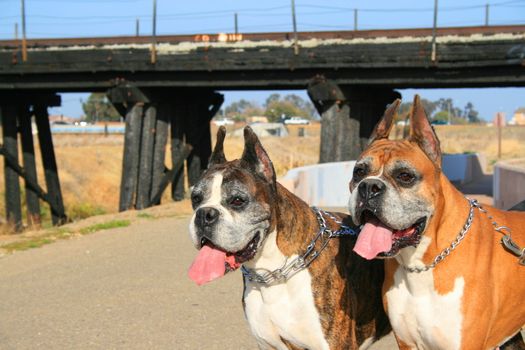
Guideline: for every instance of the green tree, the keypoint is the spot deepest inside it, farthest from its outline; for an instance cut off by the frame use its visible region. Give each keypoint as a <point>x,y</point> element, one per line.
<point>404,108</point>
<point>270,99</point>
<point>278,109</point>
<point>98,108</point>
<point>241,109</point>
<point>471,114</point>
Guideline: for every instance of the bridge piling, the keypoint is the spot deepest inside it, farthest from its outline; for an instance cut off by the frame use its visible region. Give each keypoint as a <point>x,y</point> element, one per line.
<point>17,110</point>
<point>148,115</point>
<point>367,105</point>
<point>47,150</point>
<point>348,115</point>
<point>190,125</point>
<point>130,159</point>
<point>28,153</point>
<point>159,151</point>
<point>146,156</point>
<point>177,148</point>
<point>12,185</point>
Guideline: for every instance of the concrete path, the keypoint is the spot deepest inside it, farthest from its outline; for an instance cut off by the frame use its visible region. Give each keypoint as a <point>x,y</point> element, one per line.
<point>119,289</point>
<point>124,288</point>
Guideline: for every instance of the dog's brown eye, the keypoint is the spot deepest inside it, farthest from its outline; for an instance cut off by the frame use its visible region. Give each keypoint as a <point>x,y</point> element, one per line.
<point>237,201</point>
<point>405,177</point>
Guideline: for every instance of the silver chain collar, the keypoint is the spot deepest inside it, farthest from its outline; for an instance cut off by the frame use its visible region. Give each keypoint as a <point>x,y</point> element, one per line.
<point>506,240</point>
<point>290,268</point>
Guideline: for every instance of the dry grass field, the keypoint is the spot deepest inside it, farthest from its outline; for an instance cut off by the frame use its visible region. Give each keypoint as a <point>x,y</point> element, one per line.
<point>89,165</point>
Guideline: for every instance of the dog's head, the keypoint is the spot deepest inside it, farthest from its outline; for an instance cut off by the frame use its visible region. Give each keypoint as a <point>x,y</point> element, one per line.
<point>232,205</point>
<point>395,185</point>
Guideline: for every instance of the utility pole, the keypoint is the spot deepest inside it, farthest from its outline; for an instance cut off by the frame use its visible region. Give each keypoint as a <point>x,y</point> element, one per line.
<point>294,22</point>
<point>355,19</point>
<point>236,25</point>
<point>487,9</point>
<point>154,36</point>
<point>137,27</point>
<point>16,31</point>
<point>24,43</point>
<point>434,31</point>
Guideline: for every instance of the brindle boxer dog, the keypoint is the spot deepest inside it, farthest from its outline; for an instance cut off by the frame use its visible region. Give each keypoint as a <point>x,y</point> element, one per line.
<point>244,217</point>
<point>450,283</point>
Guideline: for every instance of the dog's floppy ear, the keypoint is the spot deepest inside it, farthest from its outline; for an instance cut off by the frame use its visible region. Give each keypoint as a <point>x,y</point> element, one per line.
<point>383,127</point>
<point>217,156</point>
<point>256,157</point>
<point>422,133</point>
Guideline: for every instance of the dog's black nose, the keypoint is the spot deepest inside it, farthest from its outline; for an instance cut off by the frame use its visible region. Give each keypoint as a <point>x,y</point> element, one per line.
<point>206,216</point>
<point>369,189</point>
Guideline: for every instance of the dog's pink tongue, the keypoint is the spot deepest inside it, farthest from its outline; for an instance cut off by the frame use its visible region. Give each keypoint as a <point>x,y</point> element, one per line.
<point>373,239</point>
<point>208,265</point>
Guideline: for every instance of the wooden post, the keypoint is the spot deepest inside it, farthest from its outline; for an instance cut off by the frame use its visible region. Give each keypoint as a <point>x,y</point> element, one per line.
<point>159,152</point>
<point>130,160</point>
<point>12,186</point>
<point>146,157</point>
<point>28,150</point>
<point>339,133</point>
<point>500,122</point>
<point>168,177</point>
<point>433,55</point>
<point>367,105</point>
<point>49,163</point>
<point>198,133</point>
<point>348,115</point>
<point>177,147</point>
<point>193,133</point>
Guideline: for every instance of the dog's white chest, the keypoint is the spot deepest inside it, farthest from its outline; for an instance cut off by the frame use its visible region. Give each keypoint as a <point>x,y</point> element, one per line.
<point>284,310</point>
<point>420,316</point>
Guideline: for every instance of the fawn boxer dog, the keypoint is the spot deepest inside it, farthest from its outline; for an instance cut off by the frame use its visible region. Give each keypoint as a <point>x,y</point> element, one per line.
<point>303,286</point>
<point>450,283</point>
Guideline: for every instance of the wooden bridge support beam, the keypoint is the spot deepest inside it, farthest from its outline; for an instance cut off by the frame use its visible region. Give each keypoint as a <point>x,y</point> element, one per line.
<point>12,185</point>
<point>28,153</point>
<point>45,140</point>
<point>196,112</point>
<point>178,117</point>
<point>147,145</point>
<point>16,110</point>
<point>348,115</point>
<point>130,159</point>
<point>148,114</point>
<point>367,105</point>
<point>159,150</point>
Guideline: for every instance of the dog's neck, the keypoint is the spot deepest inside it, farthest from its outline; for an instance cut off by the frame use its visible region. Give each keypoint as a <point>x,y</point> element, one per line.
<point>442,229</point>
<point>296,223</point>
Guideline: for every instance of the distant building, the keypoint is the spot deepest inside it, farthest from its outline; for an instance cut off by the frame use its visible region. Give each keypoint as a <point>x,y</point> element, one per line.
<point>518,118</point>
<point>256,119</point>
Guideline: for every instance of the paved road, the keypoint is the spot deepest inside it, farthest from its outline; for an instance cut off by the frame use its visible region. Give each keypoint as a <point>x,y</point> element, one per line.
<point>118,289</point>
<point>123,288</point>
